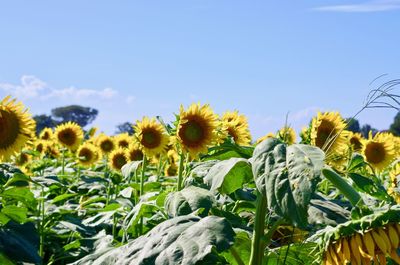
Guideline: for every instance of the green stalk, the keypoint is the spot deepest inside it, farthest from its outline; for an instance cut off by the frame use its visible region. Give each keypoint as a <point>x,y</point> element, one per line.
<point>180,171</point>
<point>348,191</point>
<point>159,167</point>
<point>41,243</point>
<point>144,165</point>
<point>257,245</point>
<point>63,161</point>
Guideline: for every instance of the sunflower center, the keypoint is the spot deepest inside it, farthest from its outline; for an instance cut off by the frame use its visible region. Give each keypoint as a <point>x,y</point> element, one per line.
<point>375,152</point>
<point>135,155</point>
<point>46,136</point>
<point>119,161</point>
<point>355,143</point>
<point>325,131</point>
<point>22,159</point>
<point>85,155</point>
<point>67,137</point>
<point>106,146</point>
<point>39,148</point>
<point>150,139</point>
<point>192,133</point>
<point>9,129</point>
<point>123,143</point>
<point>232,132</point>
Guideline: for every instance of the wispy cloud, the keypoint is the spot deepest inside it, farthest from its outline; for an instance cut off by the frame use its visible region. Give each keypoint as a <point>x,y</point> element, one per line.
<point>364,7</point>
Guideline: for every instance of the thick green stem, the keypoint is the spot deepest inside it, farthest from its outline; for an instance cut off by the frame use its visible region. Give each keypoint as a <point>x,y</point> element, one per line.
<point>159,168</point>
<point>180,171</point>
<point>41,243</point>
<point>257,245</point>
<point>144,165</point>
<point>348,191</point>
<point>63,162</point>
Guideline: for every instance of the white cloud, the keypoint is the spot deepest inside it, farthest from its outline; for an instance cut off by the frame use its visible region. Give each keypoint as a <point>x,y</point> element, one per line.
<point>368,6</point>
<point>130,99</point>
<point>80,93</point>
<point>30,87</point>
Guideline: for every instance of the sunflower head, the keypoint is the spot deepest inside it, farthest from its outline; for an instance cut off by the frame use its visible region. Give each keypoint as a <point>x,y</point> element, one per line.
<point>46,134</point>
<point>265,137</point>
<point>52,150</point>
<point>236,126</point>
<point>87,154</point>
<point>69,135</point>
<point>134,153</point>
<point>327,131</point>
<point>379,150</point>
<point>394,175</point>
<point>356,141</point>
<point>105,143</point>
<point>123,140</point>
<point>151,137</point>
<point>40,146</point>
<point>21,159</point>
<point>118,159</point>
<point>287,134</point>
<point>16,127</point>
<point>196,129</point>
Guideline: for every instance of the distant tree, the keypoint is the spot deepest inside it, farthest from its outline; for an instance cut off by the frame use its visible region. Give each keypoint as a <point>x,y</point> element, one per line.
<point>395,126</point>
<point>366,128</point>
<point>353,125</point>
<point>125,127</point>
<point>43,121</point>
<point>81,115</point>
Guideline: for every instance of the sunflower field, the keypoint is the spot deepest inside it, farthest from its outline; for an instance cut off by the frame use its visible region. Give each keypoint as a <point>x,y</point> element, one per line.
<point>198,190</point>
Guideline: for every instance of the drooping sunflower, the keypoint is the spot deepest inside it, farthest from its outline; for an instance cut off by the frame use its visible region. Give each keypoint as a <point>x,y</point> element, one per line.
<point>118,158</point>
<point>46,134</point>
<point>196,129</point>
<point>379,150</point>
<point>151,137</point>
<point>287,134</point>
<point>356,141</point>
<point>16,127</point>
<point>262,138</point>
<point>87,154</point>
<point>123,140</point>
<point>236,126</point>
<point>69,135</point>
<point>134,153</point>
<point>327,132</point>
<point>105,143</point>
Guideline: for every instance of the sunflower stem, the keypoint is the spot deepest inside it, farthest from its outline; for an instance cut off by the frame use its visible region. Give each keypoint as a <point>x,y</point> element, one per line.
<point>42,214</point>
<point>257,246</point>
<point>63,161</point>
<point>180,171</point>
<point>144,165</point>
<point>159,167</point>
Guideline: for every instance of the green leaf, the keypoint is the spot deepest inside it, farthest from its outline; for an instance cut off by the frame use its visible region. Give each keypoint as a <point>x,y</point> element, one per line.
<point>326,212</point>
<point>189,200</point>
<point>229,175</point>
<point>356,162</point>
<point>369,186</point>
<point>129,169</point>
<point>18,179</point>
<point>287,177</point>
<point>294,254</point>
<point>22,194</point>
<point>239,253</point>
<point>16,213</point>
<point>64,197</point>
<point>185,240</point>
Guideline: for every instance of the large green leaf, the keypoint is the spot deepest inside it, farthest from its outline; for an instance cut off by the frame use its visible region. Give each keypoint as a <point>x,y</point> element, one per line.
<point>326,212</point>
<point>229,175</point>
<point>287,177</point>
<point>129,169</point>
<point>182,240</point>
<point>188,200</point>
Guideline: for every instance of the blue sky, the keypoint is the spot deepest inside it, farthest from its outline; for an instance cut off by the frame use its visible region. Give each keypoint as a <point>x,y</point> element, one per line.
<point>264,58</point>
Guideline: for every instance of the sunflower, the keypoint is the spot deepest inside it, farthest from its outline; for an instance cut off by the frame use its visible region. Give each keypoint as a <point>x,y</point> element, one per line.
<point>16,127</point>
<point>327,132</point>
<point>87,154</point>
<point>287,134</point>
<point>394,175</point>
<point>379,150</point>
<point>123,140</point>
<point>196,129</point>
<point>265,137</point>
<point>356,141</point>
<point>236,126</point>
<point>21,159</point>
<point>134,153</point>
<point>118,158</point>
<point>105,143</point>
<point>46,134</point>
<point>151,137</point>
<point>69,135</point>
<point>52,150</point>
<point>40,146</point>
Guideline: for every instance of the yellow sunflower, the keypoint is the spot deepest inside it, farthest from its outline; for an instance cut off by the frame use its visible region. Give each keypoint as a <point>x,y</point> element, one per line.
<point>236,125</point>
<point>105,143</point>
<point>151,136</point>
<point>196,129</point>
<point>134,153</point>
<point>118,158</point>
<point>327,132</point>
<point>287,134</point>
<point>356,141</point>
<point>394,174</point>
<point>40,146</point>
<point>87,154</point>
<point>379,150</point>
<point>21,159</point>
<point>16,127</point>
<point>265,137</point>
<point>46,134</point>
<point>123,140</point>
<point>52,149</point>
<point>69,135</point>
